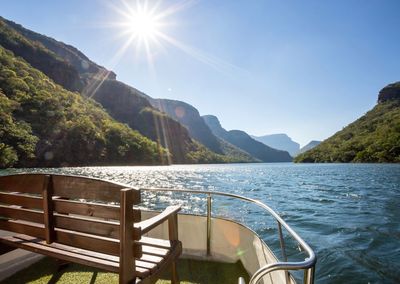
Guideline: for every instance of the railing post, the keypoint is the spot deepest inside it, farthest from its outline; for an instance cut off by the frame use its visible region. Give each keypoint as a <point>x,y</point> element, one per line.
<point>283,250</point>
<point>311,278</point>
<point>305,280</point>
<point>209,224</point>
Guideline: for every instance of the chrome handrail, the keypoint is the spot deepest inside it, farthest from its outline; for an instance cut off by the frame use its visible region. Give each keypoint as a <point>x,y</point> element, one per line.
<point>308,265</point>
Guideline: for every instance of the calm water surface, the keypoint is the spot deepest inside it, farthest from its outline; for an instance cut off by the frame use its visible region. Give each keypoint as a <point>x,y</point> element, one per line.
<point>349,214</point>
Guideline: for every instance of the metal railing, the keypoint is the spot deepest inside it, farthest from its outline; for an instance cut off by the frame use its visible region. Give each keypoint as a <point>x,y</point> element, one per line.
<point>308,265</point>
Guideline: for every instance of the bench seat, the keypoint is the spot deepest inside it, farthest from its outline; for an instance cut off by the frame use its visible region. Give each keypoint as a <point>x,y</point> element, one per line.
<point>155,253</point>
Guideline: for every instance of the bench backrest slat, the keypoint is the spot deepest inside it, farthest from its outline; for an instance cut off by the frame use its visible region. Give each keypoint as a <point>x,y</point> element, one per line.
<point>21,214</point>
<point>34,230</point>
<point>99,210</point>
<point>27,201</point>
<point>89,226</point>
<point>87,241</point>
<point>27,183</point>
<point>89,189</point>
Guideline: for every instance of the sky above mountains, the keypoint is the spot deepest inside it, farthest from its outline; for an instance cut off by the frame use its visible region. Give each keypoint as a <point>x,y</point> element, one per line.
<point>305,68</point>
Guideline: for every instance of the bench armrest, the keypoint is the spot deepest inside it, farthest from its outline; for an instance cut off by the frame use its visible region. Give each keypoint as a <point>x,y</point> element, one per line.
<point>153,222</point>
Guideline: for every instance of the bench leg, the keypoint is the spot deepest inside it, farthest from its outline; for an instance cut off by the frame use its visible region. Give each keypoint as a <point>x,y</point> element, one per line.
<point>61,264</point>
<point>174,273</point>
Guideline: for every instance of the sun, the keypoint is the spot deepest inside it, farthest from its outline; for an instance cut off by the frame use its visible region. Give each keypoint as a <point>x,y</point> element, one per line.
<point>143,24</point>
<point>144,28</point>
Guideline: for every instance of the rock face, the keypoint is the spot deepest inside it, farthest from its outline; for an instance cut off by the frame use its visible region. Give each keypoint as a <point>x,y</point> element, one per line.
<point>390,92</point>
<point>309,146</point>
<point>373,138</point>
<point>189,117</point>
<point>243,141</point>
<point>280,142</point>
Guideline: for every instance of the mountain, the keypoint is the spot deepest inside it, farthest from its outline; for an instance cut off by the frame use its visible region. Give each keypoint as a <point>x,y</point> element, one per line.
<point>44,125</point>
<point>243,141</point>
<point>374,137</point>
<point>190,117</point>
<point>70,68</point>
<point>309,146</point>
<point>280,142</point>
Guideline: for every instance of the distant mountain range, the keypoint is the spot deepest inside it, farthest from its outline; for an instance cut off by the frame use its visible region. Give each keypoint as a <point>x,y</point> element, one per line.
<point>281,142</point>
<point>242,140</point>
<point>374,137</point>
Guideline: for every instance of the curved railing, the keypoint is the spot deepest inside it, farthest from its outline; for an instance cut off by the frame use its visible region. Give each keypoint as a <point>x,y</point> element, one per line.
<point>308,265</point>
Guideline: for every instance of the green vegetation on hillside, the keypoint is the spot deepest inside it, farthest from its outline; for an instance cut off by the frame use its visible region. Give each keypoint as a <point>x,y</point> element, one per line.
<point>375,137</point>
<point>42,124</point>
<point>40,58</point>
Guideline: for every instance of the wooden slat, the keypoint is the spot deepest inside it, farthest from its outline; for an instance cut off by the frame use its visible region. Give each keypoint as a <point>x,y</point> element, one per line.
<point>21,214</point>
<point>127,271</point>
<point>90,226</point>
<point>40,246</point>
<point>159,243</point>
<point>154,251</point>
<point>146,261</point>
<point>21,200</point>
<point>86,252</point>
<point>145,264</point>
<point>86,241</point>
<point>21,227</point>
<point>90,189</point>
<point>26,183</point>
<point>105,211</point>
<point>151,258</point>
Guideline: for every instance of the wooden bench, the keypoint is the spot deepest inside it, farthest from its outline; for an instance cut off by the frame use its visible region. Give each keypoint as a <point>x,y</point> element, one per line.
<point>86,221</point>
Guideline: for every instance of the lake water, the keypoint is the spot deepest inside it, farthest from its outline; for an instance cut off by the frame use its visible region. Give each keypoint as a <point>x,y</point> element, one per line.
<point>348,213</point>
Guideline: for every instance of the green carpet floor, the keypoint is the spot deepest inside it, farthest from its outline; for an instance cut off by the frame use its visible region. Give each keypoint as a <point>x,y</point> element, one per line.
<point>190,271</point>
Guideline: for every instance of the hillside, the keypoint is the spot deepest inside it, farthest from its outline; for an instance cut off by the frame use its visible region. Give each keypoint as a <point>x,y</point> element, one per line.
<point>309,146</point>
<point>44,125</point>
<point>280,142</point>
<point>374,137</point>
<point>244,142</point>
<point>70,68</point>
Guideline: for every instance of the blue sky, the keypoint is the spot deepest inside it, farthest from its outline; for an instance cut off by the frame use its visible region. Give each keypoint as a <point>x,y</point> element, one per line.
<point>305,68</point>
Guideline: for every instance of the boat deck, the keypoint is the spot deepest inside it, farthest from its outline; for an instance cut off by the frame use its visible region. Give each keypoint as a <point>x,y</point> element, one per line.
<point>190,271</point>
